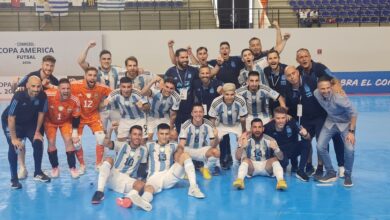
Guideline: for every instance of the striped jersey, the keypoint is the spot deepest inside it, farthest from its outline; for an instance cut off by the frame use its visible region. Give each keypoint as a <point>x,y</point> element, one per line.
<point>258,102</point>
<point>228,114</point>
<point>110,78</point>
<point>160,158</point>
<point>197,136</point>
<point>128,159</point>
<point>243,77</point>
<point>128,106</point>
<point>161,105</point>
<point>143,79</point>
<point>259,150</point>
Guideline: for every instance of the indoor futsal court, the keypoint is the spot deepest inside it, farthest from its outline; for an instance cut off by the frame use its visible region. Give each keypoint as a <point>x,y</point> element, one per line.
<point>369,198</point>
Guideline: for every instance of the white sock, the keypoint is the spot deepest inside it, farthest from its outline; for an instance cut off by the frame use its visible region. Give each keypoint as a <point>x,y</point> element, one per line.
<point>242,170</point>
<point>104,173</point>
<point>190,170</point>
<point>277,170</point>
<point>147,196</point>
<point>211,162</point>
<point>133,191</point>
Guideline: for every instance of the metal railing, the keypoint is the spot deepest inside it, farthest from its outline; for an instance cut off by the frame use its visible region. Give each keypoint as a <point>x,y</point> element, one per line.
<point>170,18</point>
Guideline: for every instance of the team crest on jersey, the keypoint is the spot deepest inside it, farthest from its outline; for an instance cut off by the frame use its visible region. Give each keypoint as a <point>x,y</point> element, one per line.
<point>69,110</point>
<point>212,90</point>
<point>60,108</point>
<point>88,95</point>
<point>36,102</point>
<point>289,131</point>
<point>96,95</point>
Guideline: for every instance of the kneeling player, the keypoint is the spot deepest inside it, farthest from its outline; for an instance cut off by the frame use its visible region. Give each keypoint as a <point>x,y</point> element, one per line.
<point>120,175</point>
<point>167,166</point>
<point>200,139</point>
<point>259,156</point>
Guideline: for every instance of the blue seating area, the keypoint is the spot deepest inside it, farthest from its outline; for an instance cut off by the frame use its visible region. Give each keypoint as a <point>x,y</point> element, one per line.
<point>347,11</point>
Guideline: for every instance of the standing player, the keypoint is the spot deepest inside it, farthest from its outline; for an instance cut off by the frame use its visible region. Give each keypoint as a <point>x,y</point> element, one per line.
<point>63,114</point>
<point>199,138</point>
<point>259,155</point>
<point>228,113</point>
<point>134,73</point>
<point>257,98</point>
<point>23,118</point>
<point>248,59</point>
<point>164,106</point>
<point>131,105</point>
<point>121,174</point>
<point>167,166</point>
<point>90,94</point>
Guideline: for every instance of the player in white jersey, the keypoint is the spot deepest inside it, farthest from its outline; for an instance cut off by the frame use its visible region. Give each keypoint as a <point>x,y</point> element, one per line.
<point>132,106</point>
<point>109,75</point>
<point>199,138</point>
<point>228,113</point>
<point>257,98</point>
<point>120,174</point>
<point>140,77</point>
<point>259,155</point>
<point>248,59</point>
<point>167,165</point>
<point>164,105</point>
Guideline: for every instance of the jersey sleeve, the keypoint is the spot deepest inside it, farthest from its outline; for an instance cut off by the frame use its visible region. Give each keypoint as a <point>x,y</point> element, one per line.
<point>270,92</point>
<point>176,101</point>
<point>243,109</point>
<point>210,132</point>
<point>242,77</point>
<point>43,102</point>
<point>76,109</point>
<point>213,111</point>
<point>14,104</point>
<point>144,158</point>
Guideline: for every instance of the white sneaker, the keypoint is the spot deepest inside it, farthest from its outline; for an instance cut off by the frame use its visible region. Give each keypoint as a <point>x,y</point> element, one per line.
<point>195,192</point>
<point>82,169</point>
<point>140,202</point>
<point>22,173</point>
<point>74,173</point>
<point>341,172</point>
<point>55,172</point>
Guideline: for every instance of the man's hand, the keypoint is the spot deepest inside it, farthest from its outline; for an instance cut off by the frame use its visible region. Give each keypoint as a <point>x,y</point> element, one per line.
<point>220,60</point>
<point>303,132</point>
<point>91,44</point>
<point>189,50</point>
<point>115,125</point>
<point>243,140</point>
<point>38,136</point>
<point>215,132</point>
<point>273,145</point>
<point>275,23</point>
<point>18,144</point>
<point>171,43</point>
<point>286,36</point>
<point>46,83</point>
<point>351,138</point>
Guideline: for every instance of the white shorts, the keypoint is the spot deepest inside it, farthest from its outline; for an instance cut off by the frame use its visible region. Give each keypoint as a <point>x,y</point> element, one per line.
<point>117,181</point>
<point>108,116</point>
<point>198,154</point>
<point>259,168</point>
<point>249,119</point>
<point>226,129</point>
<point>154,122</point>
<point>166,179</point>
<point>126,124</point>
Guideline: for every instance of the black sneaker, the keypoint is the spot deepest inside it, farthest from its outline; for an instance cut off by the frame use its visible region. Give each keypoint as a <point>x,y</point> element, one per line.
<point>15,184</point>
<point>42,178</point>
<point>348,181</point>
<point>216,171</point>
<point>309,170</point>
<point>97,197</point>
<point>302,175</point>
<point>330,176</point>
<point>319,173</point>
<point>294,169</point>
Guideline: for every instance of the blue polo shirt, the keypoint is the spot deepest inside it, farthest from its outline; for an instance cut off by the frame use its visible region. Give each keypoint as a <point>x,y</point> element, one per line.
<point>276,80</point>
<point>288,135</point>
<point>317,70</point>
<point>311,109</point>
<point>229,70</point>
<point>206,94</point>
<point>25,109</point>
<point>22,83</point>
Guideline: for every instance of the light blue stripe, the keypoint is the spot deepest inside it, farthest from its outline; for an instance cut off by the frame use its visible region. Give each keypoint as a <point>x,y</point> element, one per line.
<point>11,110</point>
<point>119,158</point>
<point>151,159</point>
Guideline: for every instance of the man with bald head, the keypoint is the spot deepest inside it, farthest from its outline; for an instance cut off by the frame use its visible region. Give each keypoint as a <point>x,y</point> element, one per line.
<point>22,119</point>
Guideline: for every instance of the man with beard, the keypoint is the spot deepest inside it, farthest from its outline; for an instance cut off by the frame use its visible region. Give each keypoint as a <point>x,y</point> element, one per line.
<point>259,155</point>
<point>133,72</point>
<point>63,114</point>
<point>206,89</point>
<point>183,76</point>
<point>248,59</point>
<point>257,98</point>
<point>90,93</point>
<point>22,119</point>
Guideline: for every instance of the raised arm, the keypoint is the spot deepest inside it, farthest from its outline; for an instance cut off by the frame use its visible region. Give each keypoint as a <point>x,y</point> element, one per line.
<point>83,56</point>
<point>280,41</point>
<point>171,52</point>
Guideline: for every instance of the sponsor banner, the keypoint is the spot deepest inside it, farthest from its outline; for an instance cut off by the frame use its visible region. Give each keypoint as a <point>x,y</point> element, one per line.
<point>5,87</point>
<point>110,5</point>
<point>375,82</point>
<point>22,52</point>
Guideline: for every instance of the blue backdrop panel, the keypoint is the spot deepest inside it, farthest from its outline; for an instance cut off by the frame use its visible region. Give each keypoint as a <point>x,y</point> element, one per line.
<point>375,82</point>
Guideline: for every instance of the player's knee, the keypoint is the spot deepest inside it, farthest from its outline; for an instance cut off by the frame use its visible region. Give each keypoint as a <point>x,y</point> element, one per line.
<point>109,160</point>
<point>184,156</point>
<point>246,160</point>
<point>138,185</point>
<point>215,152</point>
<point>99,135</point>
<point>149,188</point>
<point>51,148</point>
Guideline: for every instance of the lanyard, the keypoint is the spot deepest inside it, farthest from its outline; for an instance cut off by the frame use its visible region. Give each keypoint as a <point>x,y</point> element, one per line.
<point>185,76</point>
<point>272,79</point>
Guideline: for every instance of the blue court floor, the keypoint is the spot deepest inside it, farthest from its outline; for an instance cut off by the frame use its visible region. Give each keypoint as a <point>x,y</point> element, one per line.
<point>369,198</point>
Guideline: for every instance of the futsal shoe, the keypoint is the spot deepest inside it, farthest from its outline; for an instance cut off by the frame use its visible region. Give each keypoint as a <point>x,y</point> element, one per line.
<point>55,172</point>
<point>281,185</point>
<point>15,184</point>
<point>319,172</point>
<point>309,170</point>
<point>348,181</point>
<point>42,177</point>
<point>97,197</point>
<point>194,191</point>
<point>74,173</point>
<point>138,201</point>
<point>22,173</point>
<point>341,172</point>
<point>82,169</point>
<point>239,183</point>
<point>330,176</point>
<point>205,173</point>
<point>124,202</point>
<point>302,176</point>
